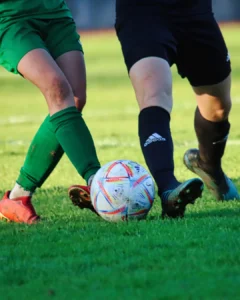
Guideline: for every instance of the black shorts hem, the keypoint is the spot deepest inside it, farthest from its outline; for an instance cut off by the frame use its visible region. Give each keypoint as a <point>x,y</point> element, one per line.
<point>209,79</point>
<point>137,54</point>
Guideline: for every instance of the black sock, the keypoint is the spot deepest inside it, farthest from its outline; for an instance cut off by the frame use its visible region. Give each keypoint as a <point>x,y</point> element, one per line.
<point>212,138</point>
<point>157,146</point>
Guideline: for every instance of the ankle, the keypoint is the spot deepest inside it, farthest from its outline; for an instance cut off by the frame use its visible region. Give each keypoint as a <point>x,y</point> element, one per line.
<point>89,182</point>
<point>168,186</point>
<point>19,191</point>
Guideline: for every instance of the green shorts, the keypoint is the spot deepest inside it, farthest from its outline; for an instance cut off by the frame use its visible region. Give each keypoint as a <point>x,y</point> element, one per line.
<point>57,36</point>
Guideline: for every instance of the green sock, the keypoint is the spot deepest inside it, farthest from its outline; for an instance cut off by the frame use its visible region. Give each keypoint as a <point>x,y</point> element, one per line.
<point>76,140</point>
<point>43,155</point>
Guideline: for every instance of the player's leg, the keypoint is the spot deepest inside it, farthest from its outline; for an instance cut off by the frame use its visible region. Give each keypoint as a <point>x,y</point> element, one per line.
<point>43,155</point>
<point>65,116</point>
<point>73,66</point>
<point>150,74</point>
<point>210,77</point>
<point>17,40</point>
<point>45,151</point>
<point>71,62</point>
<point>152,82</point>
<point>66,121</point>
<point>68,124</point>
<point>61,38</point>
<point>211,116</point>
<point>38,153</point>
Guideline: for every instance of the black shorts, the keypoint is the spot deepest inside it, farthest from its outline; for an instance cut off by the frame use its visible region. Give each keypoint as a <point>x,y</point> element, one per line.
<point>194,43</point>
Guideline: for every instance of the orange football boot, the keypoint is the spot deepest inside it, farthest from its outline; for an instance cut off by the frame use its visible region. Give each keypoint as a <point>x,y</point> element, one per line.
<point>80,196</point>
<point>19,210</point>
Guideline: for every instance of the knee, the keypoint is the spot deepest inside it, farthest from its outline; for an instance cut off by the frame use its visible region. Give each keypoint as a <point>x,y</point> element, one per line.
<point>80,100</point>
<point>222,113</point>
<point>59,90</point>
<point>215,111</point>
<point>157,93</point>
<point>152,81</point>
<point>214,101</point>
<point>221,107</point>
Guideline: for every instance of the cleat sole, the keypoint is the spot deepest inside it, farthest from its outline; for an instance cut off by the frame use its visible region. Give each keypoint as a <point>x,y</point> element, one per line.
<point>77,195</point>
<point>188,195</point>
<point>80,198</point>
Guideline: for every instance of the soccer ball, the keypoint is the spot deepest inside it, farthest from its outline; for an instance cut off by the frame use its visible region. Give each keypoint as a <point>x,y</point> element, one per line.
<point>122,190</point>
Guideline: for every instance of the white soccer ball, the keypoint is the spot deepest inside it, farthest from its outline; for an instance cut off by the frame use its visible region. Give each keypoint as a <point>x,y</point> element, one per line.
<point>122,190</point>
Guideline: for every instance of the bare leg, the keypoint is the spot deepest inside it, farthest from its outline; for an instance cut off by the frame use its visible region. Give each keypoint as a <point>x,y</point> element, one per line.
<point>212,129</point>
<point>152,81</point>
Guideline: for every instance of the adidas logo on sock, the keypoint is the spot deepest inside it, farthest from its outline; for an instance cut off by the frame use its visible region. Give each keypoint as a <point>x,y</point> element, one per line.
<point>155,137</point>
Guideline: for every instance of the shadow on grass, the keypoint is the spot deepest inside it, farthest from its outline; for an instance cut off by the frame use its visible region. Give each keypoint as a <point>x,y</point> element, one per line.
<point>59,195</point>
<point>216,213</point>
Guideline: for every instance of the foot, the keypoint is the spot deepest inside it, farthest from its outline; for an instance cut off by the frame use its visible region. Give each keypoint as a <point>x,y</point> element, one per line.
<point>174,201</point>
<point>222,189</point>
<point>80,196</point>
<point>19,210</point>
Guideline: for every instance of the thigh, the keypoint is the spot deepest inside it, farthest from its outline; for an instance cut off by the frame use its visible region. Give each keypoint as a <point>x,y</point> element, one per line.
<point>39,67</point>
<point>202,55</point>
<point>144,33</point>
<point>62,37</point>
<point>16,41</point>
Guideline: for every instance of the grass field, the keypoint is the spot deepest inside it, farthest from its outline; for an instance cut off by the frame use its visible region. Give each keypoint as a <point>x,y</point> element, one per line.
<point>73,254</point>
